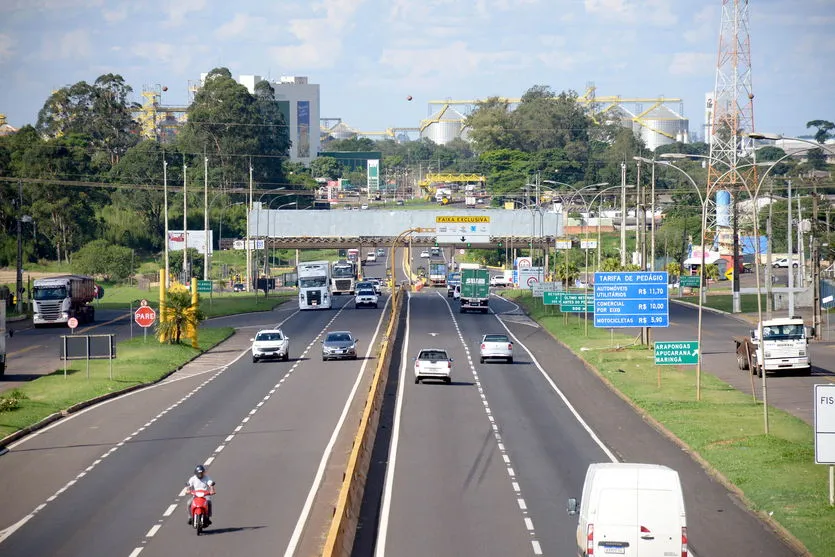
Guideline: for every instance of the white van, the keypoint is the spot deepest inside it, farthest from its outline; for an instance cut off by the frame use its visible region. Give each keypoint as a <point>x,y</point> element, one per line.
<point>634,510</point>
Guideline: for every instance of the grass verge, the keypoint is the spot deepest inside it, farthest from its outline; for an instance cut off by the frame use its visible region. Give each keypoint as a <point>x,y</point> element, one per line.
<point>724,302</point>
<point>216,305</point>
<point>777,473</point>
<point>136,363</point>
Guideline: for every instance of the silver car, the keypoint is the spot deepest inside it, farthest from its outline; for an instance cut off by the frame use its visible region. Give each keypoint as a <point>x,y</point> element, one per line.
<point>339,345</point>
<point>498,347</point>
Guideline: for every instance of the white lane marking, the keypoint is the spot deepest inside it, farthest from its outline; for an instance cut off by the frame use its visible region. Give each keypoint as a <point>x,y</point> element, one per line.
<point>385,508</point>
<point>136,551</point>
<point>523,506</point>
<point>154,529</point>
<point>218,370</point>
<point>171,508</point>
<point>323,463</point>
<point>528,523</point>
<point>557,390</point>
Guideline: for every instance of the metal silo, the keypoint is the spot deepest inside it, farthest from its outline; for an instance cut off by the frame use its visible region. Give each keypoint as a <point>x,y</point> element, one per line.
<point>660,126</point>
<point>342,131</point>
<point>443,126</point>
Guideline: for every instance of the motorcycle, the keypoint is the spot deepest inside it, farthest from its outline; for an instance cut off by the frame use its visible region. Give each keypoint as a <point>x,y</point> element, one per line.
<point>200,508</point>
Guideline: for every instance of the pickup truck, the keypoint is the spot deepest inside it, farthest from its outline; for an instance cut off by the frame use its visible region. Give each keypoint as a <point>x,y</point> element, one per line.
<point>784,348</point>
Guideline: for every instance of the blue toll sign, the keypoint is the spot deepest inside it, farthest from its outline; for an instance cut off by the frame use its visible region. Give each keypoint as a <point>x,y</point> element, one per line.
<point>631,299</point>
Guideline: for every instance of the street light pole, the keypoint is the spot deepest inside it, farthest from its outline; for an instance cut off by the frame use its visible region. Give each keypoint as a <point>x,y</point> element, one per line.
<point>623,214</point>
<point>205,216</point>
<point>249,234</point>
<point>165,218</point>
<point>19,271</point>
<point>185,223</point>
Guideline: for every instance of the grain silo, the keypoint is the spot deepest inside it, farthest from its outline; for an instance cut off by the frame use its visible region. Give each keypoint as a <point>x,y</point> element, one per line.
<point>660,126</point>
<point>443,126</point>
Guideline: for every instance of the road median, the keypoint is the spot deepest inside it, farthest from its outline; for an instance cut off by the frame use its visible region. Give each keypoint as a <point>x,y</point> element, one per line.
<point>138,363</point>
<point>340,536</point>
<point>774,475</point>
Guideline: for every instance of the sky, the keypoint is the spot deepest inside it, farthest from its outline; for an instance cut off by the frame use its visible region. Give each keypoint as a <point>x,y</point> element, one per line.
<point>369,55</point>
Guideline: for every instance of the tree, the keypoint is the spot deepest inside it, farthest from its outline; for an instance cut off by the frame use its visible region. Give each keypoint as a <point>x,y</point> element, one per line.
<point>490,126</point>
<point>325,167</point>
<point>824,130</point>
<point>102,258</point>
<point>180,316</point>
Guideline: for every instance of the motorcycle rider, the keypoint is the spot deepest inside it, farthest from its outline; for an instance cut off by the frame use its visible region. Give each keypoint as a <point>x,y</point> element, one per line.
<point>201,481</point>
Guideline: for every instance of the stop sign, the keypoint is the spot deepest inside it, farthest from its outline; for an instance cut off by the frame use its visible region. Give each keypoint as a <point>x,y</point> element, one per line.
<point>145,316</point>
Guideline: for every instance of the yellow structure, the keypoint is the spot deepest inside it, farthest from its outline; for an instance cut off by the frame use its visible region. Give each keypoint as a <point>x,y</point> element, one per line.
<point>449,178</point>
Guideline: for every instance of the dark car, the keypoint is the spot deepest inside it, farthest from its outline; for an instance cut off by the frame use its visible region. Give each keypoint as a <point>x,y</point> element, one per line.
<point>238,287</point>
<point>338,345</point>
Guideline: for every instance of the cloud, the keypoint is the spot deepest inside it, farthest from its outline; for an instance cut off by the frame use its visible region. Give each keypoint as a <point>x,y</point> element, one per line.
<point>319,40</point>
<point>178,10</point>
<point>74,45</point>
<point>243,25</point>
<point>653,12</point>
<point>179,57</point>
<point>6,48</point>
<point>692,64</point>
<point>113,16</point>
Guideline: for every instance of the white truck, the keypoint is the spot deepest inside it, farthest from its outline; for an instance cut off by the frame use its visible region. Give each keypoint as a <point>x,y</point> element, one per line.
<point>343,277</point>
<point>784,347</point>
<point>57,299</point>
<point>314,285</point>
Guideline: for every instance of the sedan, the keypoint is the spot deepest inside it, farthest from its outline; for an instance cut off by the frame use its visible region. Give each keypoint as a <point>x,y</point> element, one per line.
<point>338,345</point>
<point>270,344</point>
<point>433,363</point>
<point>371,257</point>
<point>424,254</point>
<point>497,347</point>
<point>498,280</point>
<point>378,285</point>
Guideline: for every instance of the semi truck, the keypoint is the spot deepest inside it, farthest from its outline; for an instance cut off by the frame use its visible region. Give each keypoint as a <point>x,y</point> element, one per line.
<point>784,347</point>
<point>437,273</point>
<point>57,299</point>
<point>314,285</point>
<point>343,277</point>
<point>475,287</point>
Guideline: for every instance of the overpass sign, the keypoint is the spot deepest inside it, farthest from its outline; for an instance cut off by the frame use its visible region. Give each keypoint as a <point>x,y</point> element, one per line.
<point>462,229</point>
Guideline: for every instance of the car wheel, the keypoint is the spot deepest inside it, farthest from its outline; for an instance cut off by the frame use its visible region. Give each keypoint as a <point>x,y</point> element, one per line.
<point>376,306</point>
<point>417,380</point>
<point>287,356</point>
<point>254,360</point>
<point>481,360</point>
<point>324,359</point>
<point>448,380</point>
<point>510,360</point>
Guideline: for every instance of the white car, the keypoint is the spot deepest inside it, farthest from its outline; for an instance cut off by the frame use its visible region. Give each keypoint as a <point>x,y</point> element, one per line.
<point>378,285</point>
<point>433,363</point>
<point>364,207</point>
<point>425,254</point>
<point>783,263</point>
<point>456,292</point>
<point>497,347</point>
<point>498,280</point>
<point>270,344</point>
<point>366,297</point>
<point>371,257</point>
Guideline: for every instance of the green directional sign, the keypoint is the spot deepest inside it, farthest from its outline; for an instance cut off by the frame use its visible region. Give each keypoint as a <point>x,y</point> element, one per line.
<point>204,286</point>
<point>577,308</point>
<point>684,352</point>
<point>690,281</point>
<point>575,299</point>
<point>552,298</point>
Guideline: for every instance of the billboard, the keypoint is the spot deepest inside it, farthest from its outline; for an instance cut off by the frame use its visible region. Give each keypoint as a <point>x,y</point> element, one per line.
<point>303,128</point>
<point>196,239</point>
<point>373,175</point>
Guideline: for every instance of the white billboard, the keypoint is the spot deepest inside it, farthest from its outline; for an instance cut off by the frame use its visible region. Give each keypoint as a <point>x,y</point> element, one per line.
<point>373,175</point>
<point>196,239</point>
<point>253,244</point>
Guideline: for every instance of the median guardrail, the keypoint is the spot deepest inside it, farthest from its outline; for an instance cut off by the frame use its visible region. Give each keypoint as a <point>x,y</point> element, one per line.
<point>340,539</point>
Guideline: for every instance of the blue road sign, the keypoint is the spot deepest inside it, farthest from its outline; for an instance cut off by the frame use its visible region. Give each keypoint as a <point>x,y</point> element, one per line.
<point>633,299</point>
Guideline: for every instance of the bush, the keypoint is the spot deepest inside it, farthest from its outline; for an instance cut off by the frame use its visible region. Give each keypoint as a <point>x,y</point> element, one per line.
<point>100,257</point>
<point>11,400</point>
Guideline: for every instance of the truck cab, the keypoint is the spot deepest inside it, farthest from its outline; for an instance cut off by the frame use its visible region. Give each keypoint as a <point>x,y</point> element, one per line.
<point>784,347</point>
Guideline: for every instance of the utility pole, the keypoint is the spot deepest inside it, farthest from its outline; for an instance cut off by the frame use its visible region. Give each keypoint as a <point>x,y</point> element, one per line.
<point>185,223</point>
<point>736,300</point>
<point>165,218</point>
<point>205,215</point>
<point>623,214</point>
<point>791,257</point>
<point>638,197</point>
<point>19,274</point>
<point>249,234</point>
<point>769,281</point>
<point>652,222</point>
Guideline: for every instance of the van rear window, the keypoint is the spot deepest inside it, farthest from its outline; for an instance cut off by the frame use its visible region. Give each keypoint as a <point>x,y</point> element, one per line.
<point>432,355</point>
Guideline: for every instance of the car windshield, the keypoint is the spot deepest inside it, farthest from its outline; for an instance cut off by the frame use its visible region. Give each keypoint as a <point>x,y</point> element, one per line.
<point>338,337</point>
<point>312,282</point>
<point>50,293</point>
<point>783,332</point>
<point>496,338</point>
<point>432,355</point>
<point>365,286</point>
<point>366,292</point>
<point>268,336</point>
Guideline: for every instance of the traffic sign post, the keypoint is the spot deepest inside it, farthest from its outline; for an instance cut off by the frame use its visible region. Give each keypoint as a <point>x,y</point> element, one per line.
<point>145,317</point>
<point>72,323</point>
<point>824,405</point>
<point>204,287</point>
<point>577,308</point>
<point>671,353</point>
<point>690,281</point>
<point>552,298</point>
<point>462,229</point>
<point>634,299</point>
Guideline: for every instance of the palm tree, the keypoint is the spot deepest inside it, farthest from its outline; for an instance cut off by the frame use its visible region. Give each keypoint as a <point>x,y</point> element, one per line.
<point>180,316</point>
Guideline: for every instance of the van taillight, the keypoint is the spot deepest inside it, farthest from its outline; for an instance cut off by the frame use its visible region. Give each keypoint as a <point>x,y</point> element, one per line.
<point>684,541</point>
<point>590,539</point>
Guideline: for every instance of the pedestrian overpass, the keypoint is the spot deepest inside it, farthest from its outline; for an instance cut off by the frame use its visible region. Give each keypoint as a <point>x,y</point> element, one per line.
<point>339,228</point>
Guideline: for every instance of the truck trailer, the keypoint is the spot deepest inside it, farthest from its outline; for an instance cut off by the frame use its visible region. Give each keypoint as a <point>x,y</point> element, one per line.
<point>475,287</point>
<point>57,299</point>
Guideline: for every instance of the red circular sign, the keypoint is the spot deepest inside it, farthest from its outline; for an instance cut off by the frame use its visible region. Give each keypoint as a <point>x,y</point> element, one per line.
<point>145,316</point>
<point>72,323</point>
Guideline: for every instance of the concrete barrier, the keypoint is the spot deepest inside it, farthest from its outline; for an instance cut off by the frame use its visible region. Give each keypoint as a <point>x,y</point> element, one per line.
<point>340,538</point>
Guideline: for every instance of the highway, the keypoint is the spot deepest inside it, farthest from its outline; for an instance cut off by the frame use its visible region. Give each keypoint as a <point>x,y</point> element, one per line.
<point>789,392</point>
<point>109,480</point>
<point>484,466</point>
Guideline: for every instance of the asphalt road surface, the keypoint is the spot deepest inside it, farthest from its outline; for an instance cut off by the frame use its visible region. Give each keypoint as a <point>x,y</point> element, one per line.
<point>108,481</point>
<point>484,466</point>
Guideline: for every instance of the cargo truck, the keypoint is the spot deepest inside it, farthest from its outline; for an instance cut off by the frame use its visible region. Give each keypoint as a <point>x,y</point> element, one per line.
<point>57,299</point>
<point>784,348</point>
<point>314,285</point>
<point>475,287</point>
<point>437,273</point>
<point>343,277</point>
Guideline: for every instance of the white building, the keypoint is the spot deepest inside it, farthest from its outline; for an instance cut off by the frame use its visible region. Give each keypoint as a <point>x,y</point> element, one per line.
<point>298,100</point>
